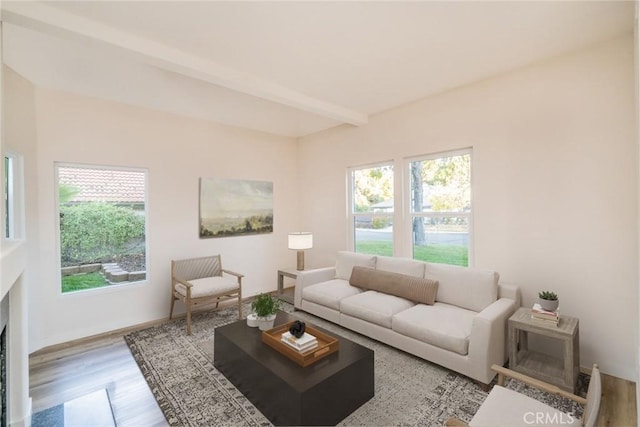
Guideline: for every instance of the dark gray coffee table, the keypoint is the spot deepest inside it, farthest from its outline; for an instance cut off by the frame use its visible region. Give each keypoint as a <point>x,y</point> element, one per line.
<point>287,394</point>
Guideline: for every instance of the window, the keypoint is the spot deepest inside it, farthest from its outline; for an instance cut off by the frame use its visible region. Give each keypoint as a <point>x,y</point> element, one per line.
<point>372,209</point>
<point>433,212</point>
<point>440,207</point>
<point>13,197</point>
<point>102,234</point>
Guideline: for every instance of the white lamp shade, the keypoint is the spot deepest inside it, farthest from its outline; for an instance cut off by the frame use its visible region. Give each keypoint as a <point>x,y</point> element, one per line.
<point>300,240</point>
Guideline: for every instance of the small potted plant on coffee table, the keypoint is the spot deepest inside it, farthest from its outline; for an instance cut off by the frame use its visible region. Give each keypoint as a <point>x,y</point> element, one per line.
<point>548,300</point>
<point>265,307</point>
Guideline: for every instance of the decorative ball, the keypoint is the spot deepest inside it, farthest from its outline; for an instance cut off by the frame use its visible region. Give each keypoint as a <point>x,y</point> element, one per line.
<point>297,329</point>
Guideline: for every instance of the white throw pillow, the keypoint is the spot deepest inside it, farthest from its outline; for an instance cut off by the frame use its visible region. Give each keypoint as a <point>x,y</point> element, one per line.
<point>470,288</point>
<point>347,260</point>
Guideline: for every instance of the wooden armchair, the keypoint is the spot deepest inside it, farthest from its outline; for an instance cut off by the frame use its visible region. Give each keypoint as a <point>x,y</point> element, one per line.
<point>508,408</point>
<point>201,280</point>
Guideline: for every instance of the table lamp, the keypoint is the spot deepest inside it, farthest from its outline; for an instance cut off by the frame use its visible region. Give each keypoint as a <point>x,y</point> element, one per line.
<point>300,241</point>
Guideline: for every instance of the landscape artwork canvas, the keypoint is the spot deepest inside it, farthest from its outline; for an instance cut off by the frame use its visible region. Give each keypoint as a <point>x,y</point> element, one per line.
<point>232,207</point>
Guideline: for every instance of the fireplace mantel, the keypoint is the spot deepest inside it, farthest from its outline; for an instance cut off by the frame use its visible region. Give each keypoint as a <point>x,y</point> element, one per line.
<point>14,261</point>
<point>13,264</point>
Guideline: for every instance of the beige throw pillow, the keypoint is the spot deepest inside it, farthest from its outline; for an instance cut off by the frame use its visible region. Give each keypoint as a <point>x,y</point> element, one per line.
<point>415,289</point>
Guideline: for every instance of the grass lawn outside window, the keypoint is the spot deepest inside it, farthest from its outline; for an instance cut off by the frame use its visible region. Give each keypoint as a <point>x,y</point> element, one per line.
<point>445,254</point>
<point>81,282</point>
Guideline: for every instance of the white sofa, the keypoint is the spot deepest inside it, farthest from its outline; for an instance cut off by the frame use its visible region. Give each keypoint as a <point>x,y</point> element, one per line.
<point>464,330</point>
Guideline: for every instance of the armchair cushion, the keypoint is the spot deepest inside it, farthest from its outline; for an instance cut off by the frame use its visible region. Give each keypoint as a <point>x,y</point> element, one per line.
<point>508,408</point>
<point>208,286</point>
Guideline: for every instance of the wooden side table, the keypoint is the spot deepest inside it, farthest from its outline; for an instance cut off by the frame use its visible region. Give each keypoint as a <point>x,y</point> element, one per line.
<point>282,273</point>
<point>561,372</point>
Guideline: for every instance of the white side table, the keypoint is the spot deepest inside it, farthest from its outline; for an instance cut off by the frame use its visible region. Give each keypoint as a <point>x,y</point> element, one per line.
<point>561,372</point>
<point>282,273</point>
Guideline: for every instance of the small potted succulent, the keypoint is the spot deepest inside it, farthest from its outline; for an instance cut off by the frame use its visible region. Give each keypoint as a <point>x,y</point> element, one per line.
<point>548,300</point>
<point>265,307</point>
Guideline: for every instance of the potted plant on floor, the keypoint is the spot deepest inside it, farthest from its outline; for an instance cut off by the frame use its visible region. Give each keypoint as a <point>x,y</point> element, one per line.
<point>265,307</point>
<point>548,300</point>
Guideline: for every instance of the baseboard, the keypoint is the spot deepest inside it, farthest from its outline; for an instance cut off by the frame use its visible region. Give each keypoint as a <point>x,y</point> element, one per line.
<point>25,421</point>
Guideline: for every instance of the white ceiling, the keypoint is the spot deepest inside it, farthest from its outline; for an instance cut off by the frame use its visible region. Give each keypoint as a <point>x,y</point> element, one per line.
<point>290,68</point>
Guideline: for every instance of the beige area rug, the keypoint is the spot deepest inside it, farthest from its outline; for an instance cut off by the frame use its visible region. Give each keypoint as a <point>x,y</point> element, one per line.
<point>408,391</point>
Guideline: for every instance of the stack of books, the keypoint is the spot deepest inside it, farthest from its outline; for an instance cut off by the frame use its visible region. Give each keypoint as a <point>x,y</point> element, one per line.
<point>305,343</point>
<point>550,318</point>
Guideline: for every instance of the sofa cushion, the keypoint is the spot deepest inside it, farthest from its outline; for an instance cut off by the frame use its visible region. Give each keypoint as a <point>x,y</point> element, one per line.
<point>406,266</point>
<point>443,325</point>
<point>329,293</point>
<point>347,260</point>
<point>374,307</point>
<point>469,288</point>
<point>415,289</point>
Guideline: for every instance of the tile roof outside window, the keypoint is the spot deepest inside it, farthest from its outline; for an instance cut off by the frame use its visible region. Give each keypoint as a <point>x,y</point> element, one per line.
<point>104,185</point>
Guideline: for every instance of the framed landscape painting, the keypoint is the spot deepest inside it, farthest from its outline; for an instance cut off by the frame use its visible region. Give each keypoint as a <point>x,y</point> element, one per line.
<point>232,207</point>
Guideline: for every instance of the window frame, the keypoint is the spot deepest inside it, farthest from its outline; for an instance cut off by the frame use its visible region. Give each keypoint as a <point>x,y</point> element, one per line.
<point>13,187</point>
<point>352,215</point>
<point>110,288</point>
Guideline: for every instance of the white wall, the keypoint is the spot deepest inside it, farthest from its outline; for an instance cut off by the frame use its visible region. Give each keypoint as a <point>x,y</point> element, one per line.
<point>176,151</point>
<point>554,184</point>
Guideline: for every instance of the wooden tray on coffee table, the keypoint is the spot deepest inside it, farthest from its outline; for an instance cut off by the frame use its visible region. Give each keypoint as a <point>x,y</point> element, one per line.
<point>326,344</point>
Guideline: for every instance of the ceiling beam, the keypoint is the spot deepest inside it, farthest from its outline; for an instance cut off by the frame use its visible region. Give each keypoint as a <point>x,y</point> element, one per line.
<point>48,19</point>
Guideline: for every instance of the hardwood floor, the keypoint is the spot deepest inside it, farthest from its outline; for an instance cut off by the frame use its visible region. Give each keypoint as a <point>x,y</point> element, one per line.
<point>618,406</point>
<point>70,371</point>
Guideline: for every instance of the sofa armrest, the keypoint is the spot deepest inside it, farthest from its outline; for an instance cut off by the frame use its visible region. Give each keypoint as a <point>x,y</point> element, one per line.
<point>506,290</point>
<point>487,343</point>
<point>311,277</point>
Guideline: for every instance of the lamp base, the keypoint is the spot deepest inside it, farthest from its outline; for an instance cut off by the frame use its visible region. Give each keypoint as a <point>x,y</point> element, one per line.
<point>300,265</point>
